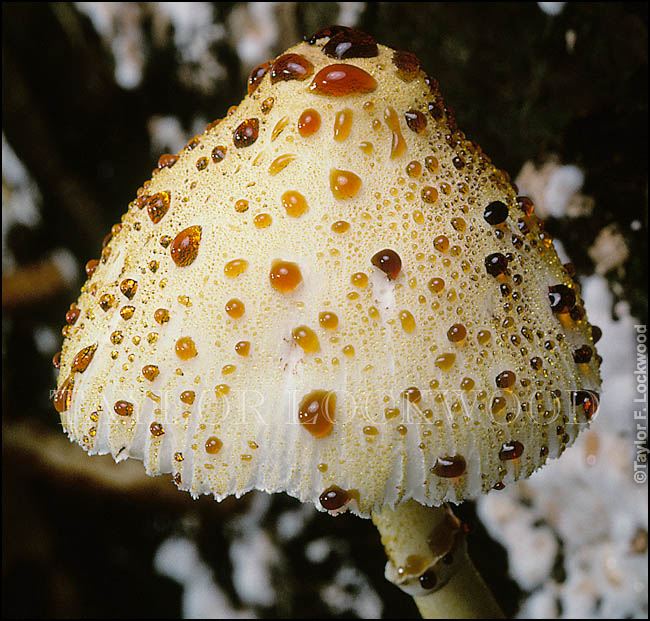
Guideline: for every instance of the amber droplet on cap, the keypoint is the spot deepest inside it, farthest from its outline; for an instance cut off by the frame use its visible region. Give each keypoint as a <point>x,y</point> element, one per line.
<point>436,285</point>
<point>235,308</point>
<point>213,445</point>
<point>412,394</point>
<point>128,287</point>
<point>161,316</point>
<point>316,412</point>
<point>445,361</point>
<point>241,205</point>
<point>243,348</point>
<point>306,338</point>
<point>429,194</point>
<point>511,450</point>
<point>246,133</point>
<point>389,262</point>
<point>407,321</point>
<point>221,390</point>
<point>350,43</point>
<point>63,396</point>
<point>340,227</point>
<point>344,184</point>
<point>262,220</point>
<point>526,205</point>
<point>342,124</point>
<point>234,268</point>
<point>457,333</point>
<point>414,169</point>
<point>218,153</point>
<point>334,498</point>
<point>91,266</point>
<point>157,206</point>
<point>187,397</point>
<point>339,80</point>
<point>185,247</point>
<point>123,408</point>
<point>449,467</point>
<point>185,348</point>
<point>328,320</point>
<point>294,203</point>
<point>467,383</point>
<point>441,243</point>
<point>150,372</point>
<point>256,76</point>
<point>156,429</point>
<point>562,299</point>
<point>166,160</point>
<point>83,358</point>
<point>398,145</point>
<point>267,105</point>
<point>309,122</point>
<point>291,67</point>
<point>106,301</point>
<point>407,65</point>
<point>285,276</point>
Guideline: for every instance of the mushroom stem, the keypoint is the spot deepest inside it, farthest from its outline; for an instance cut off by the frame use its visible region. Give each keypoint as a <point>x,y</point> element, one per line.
<point>465,596</point>
<point>426,549</point>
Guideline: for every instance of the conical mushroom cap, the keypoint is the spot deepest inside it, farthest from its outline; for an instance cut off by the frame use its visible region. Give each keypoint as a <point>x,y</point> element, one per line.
<point>331,293</point>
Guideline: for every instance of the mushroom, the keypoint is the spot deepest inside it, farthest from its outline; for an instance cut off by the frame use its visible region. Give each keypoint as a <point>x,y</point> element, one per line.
<point>335,294</point>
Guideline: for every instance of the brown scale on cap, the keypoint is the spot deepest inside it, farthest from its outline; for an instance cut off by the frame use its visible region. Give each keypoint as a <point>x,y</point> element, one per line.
<point>379,250</point>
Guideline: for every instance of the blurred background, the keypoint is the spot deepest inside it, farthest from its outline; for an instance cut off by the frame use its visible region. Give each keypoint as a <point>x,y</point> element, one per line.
<point>95,92</point>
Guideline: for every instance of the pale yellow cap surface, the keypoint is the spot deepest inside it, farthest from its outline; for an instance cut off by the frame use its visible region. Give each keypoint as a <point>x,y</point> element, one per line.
<point>414,361</point>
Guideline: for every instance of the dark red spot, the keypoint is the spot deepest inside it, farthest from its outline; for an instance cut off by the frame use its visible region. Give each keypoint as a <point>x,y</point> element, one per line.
<point>328,31</point>
<point>511,450</point>
<point>562,298</point>
<point>428,580</point>
<point>596,334</point>
<point>415,120</point>
<point>350,43</point>
<point>407,64</point>
<point>496,264</point>
<point>450,467</point>
<point>334,498</point>
<point>587,400</point>
<point>582,355</point>
<point>389,262</point>
<point>495,213</point>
